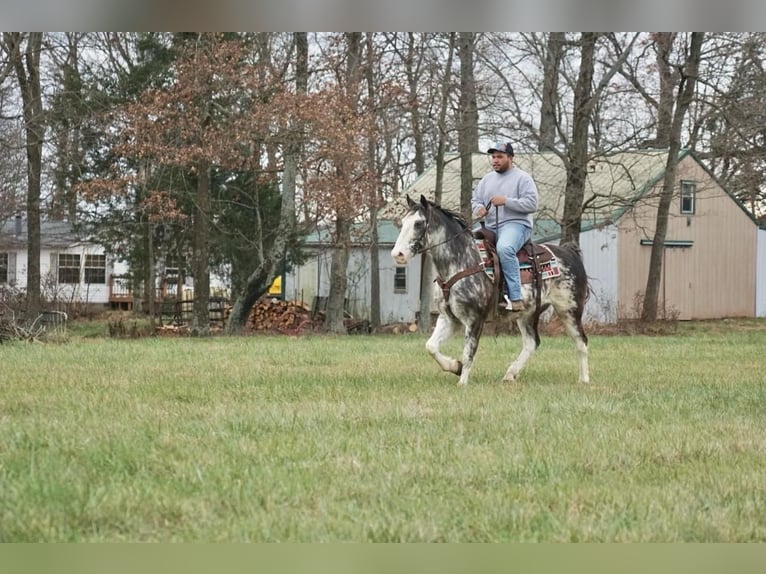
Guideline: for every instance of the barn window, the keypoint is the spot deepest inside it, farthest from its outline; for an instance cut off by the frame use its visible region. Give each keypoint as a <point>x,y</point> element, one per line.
<point>400,280</point>
<point>688,191</point>
<point>69,268</point>
<point>95,269</point>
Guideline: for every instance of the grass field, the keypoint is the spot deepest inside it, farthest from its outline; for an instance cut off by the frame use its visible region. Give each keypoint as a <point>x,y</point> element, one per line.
<point>323,438</point>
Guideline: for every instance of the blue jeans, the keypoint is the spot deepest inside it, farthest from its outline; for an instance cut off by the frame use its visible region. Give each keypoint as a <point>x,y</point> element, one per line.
<point>510,238</point>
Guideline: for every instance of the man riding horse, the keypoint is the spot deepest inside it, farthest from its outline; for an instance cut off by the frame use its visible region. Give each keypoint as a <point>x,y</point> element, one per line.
<point>507,196</point>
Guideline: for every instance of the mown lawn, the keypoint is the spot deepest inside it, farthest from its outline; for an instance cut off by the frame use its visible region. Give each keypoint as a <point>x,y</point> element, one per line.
<point>362,438</point>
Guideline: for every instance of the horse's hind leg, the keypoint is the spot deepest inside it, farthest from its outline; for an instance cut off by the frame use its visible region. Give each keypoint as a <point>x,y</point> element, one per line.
<point>530,339</point>
<point>443,330</point>
<point>572,321</point>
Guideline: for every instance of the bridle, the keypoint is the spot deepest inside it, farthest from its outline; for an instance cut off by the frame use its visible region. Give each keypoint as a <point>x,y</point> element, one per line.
<point>425,233</point>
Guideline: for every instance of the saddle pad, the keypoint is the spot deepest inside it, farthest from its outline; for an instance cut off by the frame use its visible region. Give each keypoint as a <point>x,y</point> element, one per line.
<point>548,270</point>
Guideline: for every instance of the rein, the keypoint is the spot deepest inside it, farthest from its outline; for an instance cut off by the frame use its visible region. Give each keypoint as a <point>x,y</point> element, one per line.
<point>441,242</point>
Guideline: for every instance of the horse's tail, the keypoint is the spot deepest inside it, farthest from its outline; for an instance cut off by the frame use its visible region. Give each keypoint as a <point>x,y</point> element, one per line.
<point>574,247</point>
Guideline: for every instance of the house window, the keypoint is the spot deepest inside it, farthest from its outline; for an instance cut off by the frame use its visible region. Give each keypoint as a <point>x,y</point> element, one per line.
<point>95,269</point>
<point>3,268</point>
<point>69,268</point>
<point>400,280</point>
<point>688,191</point>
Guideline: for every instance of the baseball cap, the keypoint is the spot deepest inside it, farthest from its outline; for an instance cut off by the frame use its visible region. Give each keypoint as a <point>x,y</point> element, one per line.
<point>504,147</point>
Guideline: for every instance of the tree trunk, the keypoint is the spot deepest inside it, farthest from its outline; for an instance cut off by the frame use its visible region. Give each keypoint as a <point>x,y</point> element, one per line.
<point>151,279</point>
<point>664,42</point>
<point>577,152</point>
<point>341,251</point>
<point>376,200</point>
<point>411,68</point>
<point>200,325</point>
<point>413,85</point>
<point>28,75</point>
<point>338,280</point>
<point>685,95</point>
<point>67,121</point>
<point>427,268</point>
<point>468,134</point>
<point>550,96</point>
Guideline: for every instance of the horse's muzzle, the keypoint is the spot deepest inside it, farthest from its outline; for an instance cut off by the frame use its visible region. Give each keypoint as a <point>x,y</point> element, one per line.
<point>399,257</point>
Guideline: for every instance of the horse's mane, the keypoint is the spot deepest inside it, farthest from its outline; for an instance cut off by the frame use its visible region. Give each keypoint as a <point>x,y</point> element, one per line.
<point>453,215</point>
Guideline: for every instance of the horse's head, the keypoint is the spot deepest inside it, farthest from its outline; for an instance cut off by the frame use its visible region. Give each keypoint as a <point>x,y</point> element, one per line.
<point>412,236</point>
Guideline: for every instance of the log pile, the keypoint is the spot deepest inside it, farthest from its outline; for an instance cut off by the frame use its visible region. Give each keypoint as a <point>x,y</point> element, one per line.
<point>171,330</point>
<point>399,328</point>
<point>277,315</point>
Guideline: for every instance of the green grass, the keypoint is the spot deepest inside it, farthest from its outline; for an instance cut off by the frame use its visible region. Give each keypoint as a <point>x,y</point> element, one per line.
<point>324,438</point>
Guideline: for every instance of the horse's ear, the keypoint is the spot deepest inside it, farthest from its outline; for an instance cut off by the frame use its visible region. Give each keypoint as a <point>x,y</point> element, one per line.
<point>410,203</point>
<point>424,201</point>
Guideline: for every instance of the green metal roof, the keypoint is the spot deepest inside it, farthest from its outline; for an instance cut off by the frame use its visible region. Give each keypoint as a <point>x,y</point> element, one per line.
<point>360,234</point>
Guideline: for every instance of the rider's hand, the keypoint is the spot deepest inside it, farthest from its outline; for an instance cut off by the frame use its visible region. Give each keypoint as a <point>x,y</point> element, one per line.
<point>498,200</point>
<point>482,211</point>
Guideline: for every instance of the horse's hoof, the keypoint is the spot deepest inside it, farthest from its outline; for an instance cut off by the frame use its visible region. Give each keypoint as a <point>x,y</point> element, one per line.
<point>459,370</point>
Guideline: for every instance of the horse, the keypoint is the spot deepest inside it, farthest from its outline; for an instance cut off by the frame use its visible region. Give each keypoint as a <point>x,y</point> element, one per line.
<point>467,294</point>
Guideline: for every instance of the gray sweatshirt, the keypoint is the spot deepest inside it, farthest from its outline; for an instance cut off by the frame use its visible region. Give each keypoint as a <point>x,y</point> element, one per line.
<point>520,193</point>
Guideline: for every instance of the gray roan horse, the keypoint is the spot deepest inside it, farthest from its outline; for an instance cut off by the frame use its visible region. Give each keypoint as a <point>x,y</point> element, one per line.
<point>471,293</point>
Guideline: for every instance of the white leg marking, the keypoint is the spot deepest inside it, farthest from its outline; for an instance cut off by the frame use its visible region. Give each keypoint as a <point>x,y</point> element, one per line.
<point>580,345</point>
<point>527,350</point>
<point>442,331</point>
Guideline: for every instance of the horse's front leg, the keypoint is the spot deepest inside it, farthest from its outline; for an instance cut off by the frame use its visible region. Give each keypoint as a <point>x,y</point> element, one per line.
<point>529,345</point>
<point>472,335</point>
<point>443,330</point>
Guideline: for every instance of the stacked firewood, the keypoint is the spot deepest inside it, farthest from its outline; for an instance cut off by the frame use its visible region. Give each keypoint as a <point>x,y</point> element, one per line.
<point>276,315</point>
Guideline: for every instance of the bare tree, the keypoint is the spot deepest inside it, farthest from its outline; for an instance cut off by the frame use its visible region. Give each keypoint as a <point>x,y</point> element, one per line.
<point>23,50</point>
<point>67,116</point>
<point>340,254</point>
<point>688,71</point>
<point>550,95</point>
<point>729,115</point>
<point>12,165</point>
<point>468,131</point>
<point>557,111</point>
<point>377,201</point>
<point>577,151</point>
<point>586,97</point>
<point>426,283</point>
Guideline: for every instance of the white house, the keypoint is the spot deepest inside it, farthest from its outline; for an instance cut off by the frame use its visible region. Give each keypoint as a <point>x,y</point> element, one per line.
<point>72,270</point>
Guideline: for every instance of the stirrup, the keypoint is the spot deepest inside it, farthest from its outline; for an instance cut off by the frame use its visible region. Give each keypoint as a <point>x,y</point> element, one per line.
<point>514,306</point>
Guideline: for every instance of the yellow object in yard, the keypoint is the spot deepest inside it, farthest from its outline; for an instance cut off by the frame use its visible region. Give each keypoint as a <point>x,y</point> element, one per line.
<point>276,286</point>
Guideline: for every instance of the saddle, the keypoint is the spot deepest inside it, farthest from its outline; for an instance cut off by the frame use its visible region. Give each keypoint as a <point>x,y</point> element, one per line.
<point>536,261</point>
